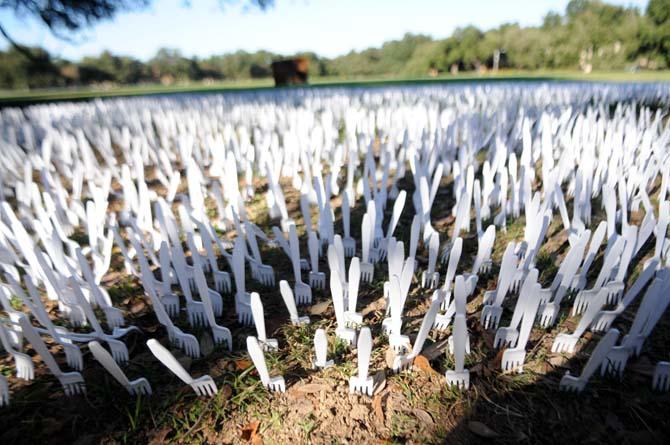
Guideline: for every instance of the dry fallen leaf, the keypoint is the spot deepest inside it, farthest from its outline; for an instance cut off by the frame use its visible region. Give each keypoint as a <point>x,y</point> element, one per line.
<point>422,363</point>
<point>481,430</point>
<point>249,430</point>
<point>319,308</point>
<point>242,364</point>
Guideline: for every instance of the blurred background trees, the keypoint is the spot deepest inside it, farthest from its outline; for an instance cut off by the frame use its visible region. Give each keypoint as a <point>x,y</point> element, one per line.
<point>589,35</point>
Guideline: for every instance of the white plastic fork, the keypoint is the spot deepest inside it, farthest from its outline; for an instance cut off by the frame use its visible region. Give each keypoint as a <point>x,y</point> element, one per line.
<point>351,316</point>
<point>513,358</point>
<point>169,299</point>
<point>72,352</point>
<point>289,301</point>
<point>612,255</point>
<point>362,383</point>
<point>574,384</point>
<point>215,301</point>
<point>72,382</point>
<point>317,279</point>
<point>342,331</point>
<point>493,299</point>
<point>650,311</point>
<point>277,383</point>
<point>222,281</point>
<point>303,292</point>
<point>203,386</point>
<point>393,325</point>
<point>135,387</point>
<point>579,281</point>
<point>185,341</point>
<point>506,336</point>
<point>321,350</point>
<point>262,273</point>
<point>220,334</point>
<point>398,206</point>
<point>242,298</point>
<point>563,280</point>
<point>661,379</point>
<point>25,369</point>
<point>482,263</point>
<point>430,278</point>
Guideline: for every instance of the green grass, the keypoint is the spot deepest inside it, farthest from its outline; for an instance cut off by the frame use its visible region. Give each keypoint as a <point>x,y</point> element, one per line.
<point>23,97</point>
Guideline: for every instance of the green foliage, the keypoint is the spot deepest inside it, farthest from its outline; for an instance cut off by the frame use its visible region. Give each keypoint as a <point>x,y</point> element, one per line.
<point>590,35</point>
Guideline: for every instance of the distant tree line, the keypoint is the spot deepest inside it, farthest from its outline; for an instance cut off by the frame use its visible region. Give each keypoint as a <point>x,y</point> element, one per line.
<point>590,35</point>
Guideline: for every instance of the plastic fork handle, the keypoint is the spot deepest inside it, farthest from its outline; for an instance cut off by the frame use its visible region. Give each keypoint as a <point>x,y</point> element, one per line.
<point>238,267</point>
<point>459,335</point>
<point>167,359</point>
<point>454,258</point>
<point>365,235</point>
<point>354,280</point>
<point>106,360</point>
<point>295,253</point>
<point>434,245</point>
<point>289,299</point>
<point>364,351</point>
<point>259,318</point>
<point>39,346</point>
<point>599,353</point>
<point>320,346</point>
<point>426,325</point>
<point>313,246</point>
<point>256,354</point>
<point>398,207</point>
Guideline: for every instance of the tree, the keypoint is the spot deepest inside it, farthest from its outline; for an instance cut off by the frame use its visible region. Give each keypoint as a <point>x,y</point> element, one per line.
<point>68,16</point>
<point>658,11</point>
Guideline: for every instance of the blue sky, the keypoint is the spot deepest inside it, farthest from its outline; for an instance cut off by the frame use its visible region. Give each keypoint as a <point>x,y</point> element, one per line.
<point>328,27</point>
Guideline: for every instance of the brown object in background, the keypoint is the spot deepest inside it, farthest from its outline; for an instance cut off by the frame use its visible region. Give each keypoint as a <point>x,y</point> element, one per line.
<point>290,72</point>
